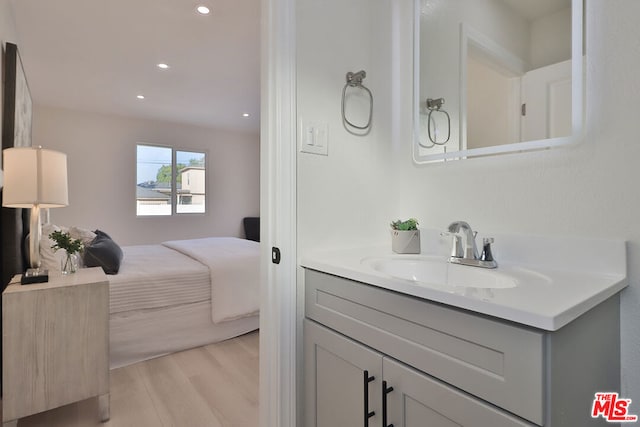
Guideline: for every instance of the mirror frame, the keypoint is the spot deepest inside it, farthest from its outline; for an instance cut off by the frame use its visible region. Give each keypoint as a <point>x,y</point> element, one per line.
<point>577,98</point>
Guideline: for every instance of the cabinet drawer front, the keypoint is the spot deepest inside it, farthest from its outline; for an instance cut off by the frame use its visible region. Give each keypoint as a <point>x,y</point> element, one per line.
<point>494,360</point>
<point>418,400</point>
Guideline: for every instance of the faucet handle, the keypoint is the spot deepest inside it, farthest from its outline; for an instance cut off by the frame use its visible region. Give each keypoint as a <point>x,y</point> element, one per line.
<point>486,249</point>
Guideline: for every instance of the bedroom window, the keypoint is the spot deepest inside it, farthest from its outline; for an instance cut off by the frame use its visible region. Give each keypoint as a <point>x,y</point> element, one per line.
<point>169,181</point>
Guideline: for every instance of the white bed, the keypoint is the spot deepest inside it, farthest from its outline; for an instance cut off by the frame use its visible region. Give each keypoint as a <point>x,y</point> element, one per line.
<point>176,295</point>
<point>165,300</point>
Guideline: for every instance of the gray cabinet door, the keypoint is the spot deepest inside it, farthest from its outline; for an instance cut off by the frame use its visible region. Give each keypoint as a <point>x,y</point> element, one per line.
<point>335,372</point>
<point>418,400</point>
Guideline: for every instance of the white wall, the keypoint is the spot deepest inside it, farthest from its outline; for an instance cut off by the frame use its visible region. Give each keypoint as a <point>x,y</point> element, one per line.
<point>339,194</point>
<point>590,190</point>
<point>101,157</point>
<point>551,39</point>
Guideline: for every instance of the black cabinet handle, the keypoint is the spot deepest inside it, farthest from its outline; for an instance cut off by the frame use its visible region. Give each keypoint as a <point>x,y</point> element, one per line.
<point>367,414</point>
<point>385,390</point>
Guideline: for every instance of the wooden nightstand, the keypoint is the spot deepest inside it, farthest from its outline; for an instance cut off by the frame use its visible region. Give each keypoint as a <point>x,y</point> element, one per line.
<point>55,338</point>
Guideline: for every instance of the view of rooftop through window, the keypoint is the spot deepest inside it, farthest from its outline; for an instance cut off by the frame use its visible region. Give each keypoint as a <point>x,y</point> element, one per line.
<point>159,191</point>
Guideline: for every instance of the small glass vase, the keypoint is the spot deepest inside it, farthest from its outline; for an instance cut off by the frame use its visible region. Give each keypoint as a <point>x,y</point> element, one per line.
<point>69,263</point>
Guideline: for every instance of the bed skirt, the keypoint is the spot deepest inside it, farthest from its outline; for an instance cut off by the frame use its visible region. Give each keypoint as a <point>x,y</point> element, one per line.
<point>141,335</point>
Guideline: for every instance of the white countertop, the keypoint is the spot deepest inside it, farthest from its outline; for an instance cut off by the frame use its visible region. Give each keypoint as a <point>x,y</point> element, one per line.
<point>548,295</point>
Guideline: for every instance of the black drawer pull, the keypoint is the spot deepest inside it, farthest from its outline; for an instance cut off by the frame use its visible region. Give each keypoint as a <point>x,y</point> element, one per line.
<point>367,414</point>
<point>385,390</point>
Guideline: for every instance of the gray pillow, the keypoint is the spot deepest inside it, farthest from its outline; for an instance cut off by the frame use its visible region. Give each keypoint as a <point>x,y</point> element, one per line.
<point>103,252</point>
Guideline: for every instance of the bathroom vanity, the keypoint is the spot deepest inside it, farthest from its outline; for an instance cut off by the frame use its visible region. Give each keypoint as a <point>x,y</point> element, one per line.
<point>379,353</point>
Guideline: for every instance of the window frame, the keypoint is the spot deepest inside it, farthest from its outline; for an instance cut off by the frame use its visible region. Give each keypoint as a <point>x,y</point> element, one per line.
<point>174,176</point>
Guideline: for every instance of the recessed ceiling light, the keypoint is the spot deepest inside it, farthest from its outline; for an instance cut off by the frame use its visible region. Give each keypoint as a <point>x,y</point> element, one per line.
<point>140,96</point>
<point>245,114</point>
<point>163,66</point>
<point>203,10</point>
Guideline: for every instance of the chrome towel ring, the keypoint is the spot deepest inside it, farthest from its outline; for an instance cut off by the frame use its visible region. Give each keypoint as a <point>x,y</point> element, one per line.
<point>354,80</point>
<point>435,105</point>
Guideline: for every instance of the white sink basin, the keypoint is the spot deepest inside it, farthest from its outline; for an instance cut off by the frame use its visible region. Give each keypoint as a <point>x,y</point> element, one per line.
<point>436,271</point>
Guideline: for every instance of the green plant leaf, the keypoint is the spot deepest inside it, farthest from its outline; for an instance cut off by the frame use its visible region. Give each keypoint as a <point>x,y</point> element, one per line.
<point>410,224</point>
<point>64,241</point>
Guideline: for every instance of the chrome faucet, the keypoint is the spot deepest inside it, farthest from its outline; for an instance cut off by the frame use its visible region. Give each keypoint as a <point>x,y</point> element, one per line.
<point>464,250</point>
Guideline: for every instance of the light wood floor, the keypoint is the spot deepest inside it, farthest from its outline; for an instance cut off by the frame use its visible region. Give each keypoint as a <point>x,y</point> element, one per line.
<point>211,386</point>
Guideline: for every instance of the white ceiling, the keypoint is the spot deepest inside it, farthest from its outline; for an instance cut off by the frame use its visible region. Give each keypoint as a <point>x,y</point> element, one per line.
<point>97,55</point>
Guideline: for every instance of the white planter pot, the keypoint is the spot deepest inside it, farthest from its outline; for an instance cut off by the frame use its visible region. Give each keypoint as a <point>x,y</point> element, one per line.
<point>405,242</point>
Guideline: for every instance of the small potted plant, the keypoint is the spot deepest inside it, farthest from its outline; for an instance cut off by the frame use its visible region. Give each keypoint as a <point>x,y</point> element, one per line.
<point>69,263</point>
<point>405,236</point>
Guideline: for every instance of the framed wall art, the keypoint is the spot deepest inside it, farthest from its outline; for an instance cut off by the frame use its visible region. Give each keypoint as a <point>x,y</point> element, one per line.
<point>16,132</point>
<point>17,111</point>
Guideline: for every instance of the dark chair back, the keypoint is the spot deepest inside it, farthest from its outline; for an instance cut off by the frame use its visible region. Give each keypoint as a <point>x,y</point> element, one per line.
<point>252,228</point>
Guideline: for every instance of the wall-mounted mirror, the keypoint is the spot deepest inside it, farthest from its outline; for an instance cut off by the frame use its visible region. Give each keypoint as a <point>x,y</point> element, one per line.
<point>496,76</point>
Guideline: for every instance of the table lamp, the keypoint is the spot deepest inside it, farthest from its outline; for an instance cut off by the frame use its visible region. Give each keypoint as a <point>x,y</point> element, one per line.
<point>34,178</point>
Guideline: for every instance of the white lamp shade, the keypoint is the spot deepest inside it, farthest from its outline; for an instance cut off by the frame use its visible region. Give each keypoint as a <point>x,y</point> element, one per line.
<point>34,176</point>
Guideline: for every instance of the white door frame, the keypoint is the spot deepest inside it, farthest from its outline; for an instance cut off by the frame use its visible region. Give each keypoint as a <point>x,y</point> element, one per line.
<point>278,215</point>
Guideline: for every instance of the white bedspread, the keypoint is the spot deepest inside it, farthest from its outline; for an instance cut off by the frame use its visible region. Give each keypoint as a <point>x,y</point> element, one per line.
<point>234,265</point>
<point>154,276</point>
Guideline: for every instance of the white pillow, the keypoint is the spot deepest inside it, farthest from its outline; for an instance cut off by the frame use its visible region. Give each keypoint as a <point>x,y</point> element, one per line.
<point>82,234</point>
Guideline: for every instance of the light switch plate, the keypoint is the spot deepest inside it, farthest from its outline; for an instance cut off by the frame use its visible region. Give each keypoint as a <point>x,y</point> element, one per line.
<point>314,137</point>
